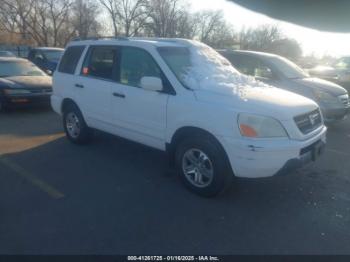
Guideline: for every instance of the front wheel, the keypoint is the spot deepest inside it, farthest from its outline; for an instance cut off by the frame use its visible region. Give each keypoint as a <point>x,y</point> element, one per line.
<point>74,125</point>
<point>203,166</point>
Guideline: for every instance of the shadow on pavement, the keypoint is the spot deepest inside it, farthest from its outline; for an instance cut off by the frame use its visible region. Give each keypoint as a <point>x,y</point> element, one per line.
<point>119,198</point>
<point>27,122</point>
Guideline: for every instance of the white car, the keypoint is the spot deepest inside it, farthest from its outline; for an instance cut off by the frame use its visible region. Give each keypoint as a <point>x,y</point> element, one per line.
<point>182,97</point>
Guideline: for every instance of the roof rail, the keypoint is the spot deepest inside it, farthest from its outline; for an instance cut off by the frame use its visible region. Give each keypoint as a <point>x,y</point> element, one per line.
<point>100,38</point>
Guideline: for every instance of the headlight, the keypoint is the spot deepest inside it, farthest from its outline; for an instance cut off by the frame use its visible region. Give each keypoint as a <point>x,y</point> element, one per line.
<point>260,126</point>
<point>325,97</point>
<point>16,91</point>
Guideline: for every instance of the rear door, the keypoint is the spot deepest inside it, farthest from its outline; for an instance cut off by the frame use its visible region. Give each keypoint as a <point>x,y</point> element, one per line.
<point>94,84</point>
<point>139,114</point>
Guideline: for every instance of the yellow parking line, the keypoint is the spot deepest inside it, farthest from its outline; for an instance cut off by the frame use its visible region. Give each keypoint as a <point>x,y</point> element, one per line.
<point>51,191</point>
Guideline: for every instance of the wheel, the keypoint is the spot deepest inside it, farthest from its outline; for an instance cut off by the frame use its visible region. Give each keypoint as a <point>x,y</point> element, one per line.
<point>203,166</point>
<point>74,125</point>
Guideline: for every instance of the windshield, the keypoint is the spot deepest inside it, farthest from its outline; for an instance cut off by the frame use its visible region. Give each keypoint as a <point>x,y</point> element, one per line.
<point>53,55</point>
<point>178,60</point>
<point>196,66</point>
<point>288,68</point>
<point>6,54</point>
<point>16,68</point>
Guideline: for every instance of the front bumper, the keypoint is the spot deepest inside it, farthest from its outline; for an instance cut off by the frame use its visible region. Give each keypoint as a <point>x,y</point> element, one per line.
<point>335,114</point>
<point>255,158</point>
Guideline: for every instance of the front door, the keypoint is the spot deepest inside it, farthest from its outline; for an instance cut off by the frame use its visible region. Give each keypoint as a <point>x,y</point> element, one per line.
<point>139,114</point>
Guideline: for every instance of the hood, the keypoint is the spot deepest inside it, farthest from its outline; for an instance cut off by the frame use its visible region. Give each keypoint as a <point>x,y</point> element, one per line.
<point>323,85</point>
<point>268,101</point>
<point>26,82</point>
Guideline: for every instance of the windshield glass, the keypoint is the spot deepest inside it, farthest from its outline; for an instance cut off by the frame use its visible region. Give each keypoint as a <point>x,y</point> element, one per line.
<point>288,68</point>
<point>16,68</point>
<point>53,55</point>
<point>196,66</point>
<point>6,54</point>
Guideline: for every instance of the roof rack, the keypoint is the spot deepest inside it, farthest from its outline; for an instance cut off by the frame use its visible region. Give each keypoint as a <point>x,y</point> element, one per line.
<point>100,38</point>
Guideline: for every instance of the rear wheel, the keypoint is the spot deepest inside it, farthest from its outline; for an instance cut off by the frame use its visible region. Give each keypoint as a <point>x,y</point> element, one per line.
<point>203,166</point>
<point>74,125</point>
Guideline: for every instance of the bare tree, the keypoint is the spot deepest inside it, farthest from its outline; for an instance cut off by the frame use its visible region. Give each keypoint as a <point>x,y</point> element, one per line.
<point>84,18</point>
<point>163,15</point>
<point>208,21</point>
<point>112,7</point>
<point>213,30</point>
<point>14,16</point>
<point>128,16</point>
<point>186,25</point>
<point>259,38</point>
<point>286,47</point>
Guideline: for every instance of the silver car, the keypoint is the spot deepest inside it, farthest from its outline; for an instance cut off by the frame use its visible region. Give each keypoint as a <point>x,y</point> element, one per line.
<point>339,72</point>
<point>280,72</point>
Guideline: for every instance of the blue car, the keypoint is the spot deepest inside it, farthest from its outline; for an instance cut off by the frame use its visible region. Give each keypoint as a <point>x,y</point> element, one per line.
<point>46,58</point>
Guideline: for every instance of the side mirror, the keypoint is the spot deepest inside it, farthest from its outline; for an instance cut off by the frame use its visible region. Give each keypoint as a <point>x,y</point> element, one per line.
<point>151,83</point>
<point>49,72</point>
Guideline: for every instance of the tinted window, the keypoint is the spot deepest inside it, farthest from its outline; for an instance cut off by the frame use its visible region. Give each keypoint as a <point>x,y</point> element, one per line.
<point>100,62</point>
<point>70,59</point>
<point>251,66</point>
<point>53,55</point>
<point>136,63</point>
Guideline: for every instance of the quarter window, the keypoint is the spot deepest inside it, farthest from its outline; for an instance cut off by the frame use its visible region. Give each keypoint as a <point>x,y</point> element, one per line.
<point>136,63</point>
<point>100,62</point>
<point>70,59</point>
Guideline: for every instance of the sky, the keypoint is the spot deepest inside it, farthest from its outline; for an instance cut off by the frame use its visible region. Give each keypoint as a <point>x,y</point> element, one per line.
<point>312,41</point>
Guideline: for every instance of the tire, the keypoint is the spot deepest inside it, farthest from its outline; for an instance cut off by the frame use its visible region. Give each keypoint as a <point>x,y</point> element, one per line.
<point>75,126</point>
<point>208,170</point>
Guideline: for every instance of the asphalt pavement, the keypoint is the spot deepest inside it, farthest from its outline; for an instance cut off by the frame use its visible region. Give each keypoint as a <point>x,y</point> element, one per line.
<point>118,197</point>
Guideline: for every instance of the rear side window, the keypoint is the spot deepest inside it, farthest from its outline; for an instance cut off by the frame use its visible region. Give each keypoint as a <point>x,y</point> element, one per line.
<point>70,59</point>
<point>100,62</point>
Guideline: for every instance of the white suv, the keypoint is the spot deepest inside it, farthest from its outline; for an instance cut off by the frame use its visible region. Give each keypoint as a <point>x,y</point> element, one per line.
<point>182,97</point>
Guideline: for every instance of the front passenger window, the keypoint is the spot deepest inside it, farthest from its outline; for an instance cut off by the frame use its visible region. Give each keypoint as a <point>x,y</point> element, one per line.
<point>100,62</point>
<point>136,63</point>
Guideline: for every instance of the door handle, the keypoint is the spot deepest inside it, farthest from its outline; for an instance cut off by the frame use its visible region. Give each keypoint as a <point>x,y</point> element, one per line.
<point>79,85</point>
<point>118,95</point>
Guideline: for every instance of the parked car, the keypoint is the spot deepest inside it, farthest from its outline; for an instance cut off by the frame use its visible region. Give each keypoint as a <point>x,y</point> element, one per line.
<point>23,83</point>
<point>6,54</point>
<point>280,72</point>
<point>339,72</point>
<point>182,97</point>
<point>46,58</point>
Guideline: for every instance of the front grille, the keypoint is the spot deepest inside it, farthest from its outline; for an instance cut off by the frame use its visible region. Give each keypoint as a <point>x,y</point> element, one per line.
<point>308,122</point>
<point>345,100</point>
